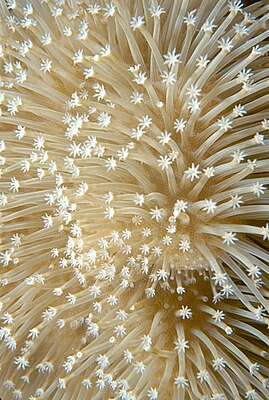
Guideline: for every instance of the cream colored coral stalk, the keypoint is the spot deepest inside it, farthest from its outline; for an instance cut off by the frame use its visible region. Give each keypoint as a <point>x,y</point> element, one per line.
<point>134,202</point>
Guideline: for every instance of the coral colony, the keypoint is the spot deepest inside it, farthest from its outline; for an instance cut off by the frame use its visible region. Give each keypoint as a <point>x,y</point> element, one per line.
<point>134,200</point>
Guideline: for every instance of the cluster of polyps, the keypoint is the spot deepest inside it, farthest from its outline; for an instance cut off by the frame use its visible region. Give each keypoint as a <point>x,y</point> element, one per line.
<point>134,204</point>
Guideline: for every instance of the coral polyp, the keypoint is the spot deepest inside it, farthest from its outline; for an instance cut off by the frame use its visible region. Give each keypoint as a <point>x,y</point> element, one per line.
<point>134,202</point>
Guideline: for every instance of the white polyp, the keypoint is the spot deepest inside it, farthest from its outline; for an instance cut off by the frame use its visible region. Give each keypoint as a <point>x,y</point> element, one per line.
<point>134,199</point>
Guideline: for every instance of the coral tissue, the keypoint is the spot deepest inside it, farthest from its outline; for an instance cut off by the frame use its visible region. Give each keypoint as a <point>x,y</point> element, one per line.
<point>134,208</point>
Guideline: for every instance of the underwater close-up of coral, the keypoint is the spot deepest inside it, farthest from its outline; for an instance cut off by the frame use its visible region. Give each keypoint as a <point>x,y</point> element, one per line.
<point>134,200</point>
